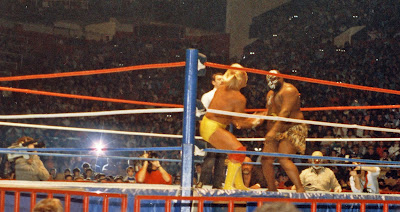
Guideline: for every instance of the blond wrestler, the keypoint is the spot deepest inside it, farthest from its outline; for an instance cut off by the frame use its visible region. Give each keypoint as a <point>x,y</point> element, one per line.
<point>283,100</point>
<point>212,127</point>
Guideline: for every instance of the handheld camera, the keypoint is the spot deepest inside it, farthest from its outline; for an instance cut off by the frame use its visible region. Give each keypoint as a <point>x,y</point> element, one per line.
<point>13,156</point>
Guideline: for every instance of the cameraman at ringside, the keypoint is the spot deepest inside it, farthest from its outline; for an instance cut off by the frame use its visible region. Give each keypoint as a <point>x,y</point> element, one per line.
<point>28,167</point>
<point>152,172</point>
<point>364,179</point>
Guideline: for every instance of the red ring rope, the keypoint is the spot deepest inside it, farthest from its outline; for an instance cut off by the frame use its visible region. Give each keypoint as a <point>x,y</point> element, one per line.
<point>306,79</point>
<point>93,72</point>
<point>73,96</point>
<point>181,64</point>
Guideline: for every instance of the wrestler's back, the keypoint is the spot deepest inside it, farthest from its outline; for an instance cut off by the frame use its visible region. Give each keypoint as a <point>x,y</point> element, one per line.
<point>227,100</point>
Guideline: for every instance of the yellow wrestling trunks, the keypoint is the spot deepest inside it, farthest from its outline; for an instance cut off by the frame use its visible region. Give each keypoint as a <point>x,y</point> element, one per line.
<point>208,127</point>
<point>296,134</point>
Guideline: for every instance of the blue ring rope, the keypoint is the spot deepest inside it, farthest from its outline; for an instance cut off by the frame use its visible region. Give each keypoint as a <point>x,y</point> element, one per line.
<point>386,165</point>
<point>14,150</point>
<point>90,156</point>
<point>280,155</point>
<point>339,164</point>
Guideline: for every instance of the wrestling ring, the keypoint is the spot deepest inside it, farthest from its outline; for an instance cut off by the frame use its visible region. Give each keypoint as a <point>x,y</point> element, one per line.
<point>80,196</point>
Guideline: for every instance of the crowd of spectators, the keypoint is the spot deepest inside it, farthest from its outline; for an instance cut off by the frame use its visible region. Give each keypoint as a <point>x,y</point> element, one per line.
<point>316,22</point>
<point>298,43</point>
<point>371,61</point>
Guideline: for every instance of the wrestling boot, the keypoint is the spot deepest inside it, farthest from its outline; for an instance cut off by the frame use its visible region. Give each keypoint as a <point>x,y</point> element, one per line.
<point>231,175</point>
<point>239,180</point>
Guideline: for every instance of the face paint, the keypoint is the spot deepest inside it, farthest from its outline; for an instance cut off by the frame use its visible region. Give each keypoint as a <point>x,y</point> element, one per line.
<point>272,84</point>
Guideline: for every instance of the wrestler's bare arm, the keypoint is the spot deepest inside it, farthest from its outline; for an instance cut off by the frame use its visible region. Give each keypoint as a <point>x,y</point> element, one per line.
<point>269,102</point>
<point>240,122</point>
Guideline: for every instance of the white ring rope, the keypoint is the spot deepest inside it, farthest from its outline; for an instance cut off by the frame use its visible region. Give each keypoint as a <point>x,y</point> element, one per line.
<point>172,135</point>
<point>302,121</point>
<point>174,110</point>
<point>87,130</point>
<point>86,114</point>
<point>353,139</point>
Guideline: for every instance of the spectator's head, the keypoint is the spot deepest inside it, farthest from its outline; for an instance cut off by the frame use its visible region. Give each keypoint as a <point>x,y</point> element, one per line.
<point>67,171</point>
<point>76,172</point>
<point>100,176</point>
<point>79,178</point>
<point>118,179</point>
<point>316,162</point>
<point>217,79</point>
<point>151,166</point>
<point>385,154</point>
<point>282,177</point>
<point>350,133</point>
<point>235,79</point>
<point>277,206</point>
<point>130,171</point>
<point>343,151</point>
<point>177,179</point>
<point>106,180</point>
<point>68,177</point>
<point>89,172</point>
<point>198,168</point>
<point>246,168</point>
<point>371,150</point>
<point>85,166</point>
<point>48,205</point>
<point>53,172</point>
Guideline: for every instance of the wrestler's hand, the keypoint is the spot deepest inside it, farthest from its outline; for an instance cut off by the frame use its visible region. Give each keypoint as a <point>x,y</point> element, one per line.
<point>257,121</point>
<point>145,155</point>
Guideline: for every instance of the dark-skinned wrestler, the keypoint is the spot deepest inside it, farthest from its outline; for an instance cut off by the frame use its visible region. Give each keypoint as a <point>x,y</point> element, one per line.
<point>283,100</point>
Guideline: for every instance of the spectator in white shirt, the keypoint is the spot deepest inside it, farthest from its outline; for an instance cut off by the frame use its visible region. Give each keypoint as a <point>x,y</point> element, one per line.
<point>319,178</point>
<point>394,149</point>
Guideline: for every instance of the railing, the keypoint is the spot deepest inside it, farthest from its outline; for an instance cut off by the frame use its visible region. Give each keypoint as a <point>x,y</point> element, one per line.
<point>260,200</point>
<point>67,198</point>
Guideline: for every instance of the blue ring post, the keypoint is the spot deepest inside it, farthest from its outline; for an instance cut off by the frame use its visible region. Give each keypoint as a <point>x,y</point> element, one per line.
<point>189,114</point>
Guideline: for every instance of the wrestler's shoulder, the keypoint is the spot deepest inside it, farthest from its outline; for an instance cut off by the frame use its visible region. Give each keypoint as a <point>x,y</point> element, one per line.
<point>229,94</point>
<point>234,94</point>
<point>290,88</point>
